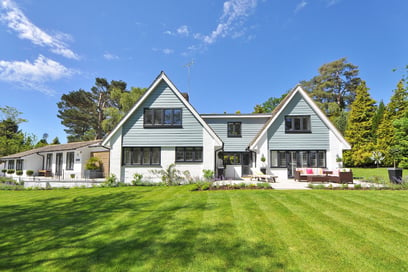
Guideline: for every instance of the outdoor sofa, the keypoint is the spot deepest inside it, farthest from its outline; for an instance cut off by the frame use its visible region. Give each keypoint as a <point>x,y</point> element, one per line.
<point>324,175</point>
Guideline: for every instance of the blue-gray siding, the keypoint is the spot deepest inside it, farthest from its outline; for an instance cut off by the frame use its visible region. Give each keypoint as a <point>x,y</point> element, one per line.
<point>317,140</point>
<point>249,129</point>
<point>191,134</point>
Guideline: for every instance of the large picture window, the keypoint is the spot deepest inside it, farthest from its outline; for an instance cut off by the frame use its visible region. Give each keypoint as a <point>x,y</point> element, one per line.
<point>10,164</point>
<point>281,159</point>
<point>141,156</point>
<point>234,129</point>
<point>70,161</point>
<point>297,124</point>
<point>48,162</point>
<point>162,118</point>
<point>189,154</point>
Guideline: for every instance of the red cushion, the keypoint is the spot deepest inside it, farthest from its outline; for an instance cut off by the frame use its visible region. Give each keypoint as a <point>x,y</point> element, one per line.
<point>309,171</point>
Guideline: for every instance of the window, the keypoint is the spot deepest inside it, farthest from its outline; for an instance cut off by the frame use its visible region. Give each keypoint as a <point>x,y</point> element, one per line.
<point>297,124</point>
<point>19,164</point>
<point>232,158</point>
<point>141,156</point>
<point>189,154</point>
<point>234,129</point>
<point>48,162</point>
<point>70,161</point>
<point>162,118</point>
<point>313,158</point>
<point>10,164</point>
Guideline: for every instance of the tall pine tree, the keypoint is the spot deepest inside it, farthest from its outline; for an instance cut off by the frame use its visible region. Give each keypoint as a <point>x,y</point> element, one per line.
<point>395,109</point>
<point>359,128</point>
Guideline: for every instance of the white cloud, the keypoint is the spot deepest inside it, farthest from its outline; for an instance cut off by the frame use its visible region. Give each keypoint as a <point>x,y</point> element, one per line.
<point>183,30</point>
<point>166,51</point>
<point>33,75</point>
<point>109,56</point>
<point>18,22</point>
<point>332,2</point>
<point>234,15</point>
<point>300,6</point>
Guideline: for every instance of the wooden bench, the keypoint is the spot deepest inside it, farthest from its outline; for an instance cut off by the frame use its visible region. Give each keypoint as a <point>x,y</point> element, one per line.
<point>44,173</point>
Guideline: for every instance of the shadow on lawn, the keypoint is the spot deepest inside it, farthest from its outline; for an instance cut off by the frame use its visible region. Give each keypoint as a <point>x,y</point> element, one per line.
<point>88,233</point>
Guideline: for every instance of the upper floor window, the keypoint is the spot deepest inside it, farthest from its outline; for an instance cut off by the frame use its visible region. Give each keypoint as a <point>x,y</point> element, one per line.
<point>297,124</point>
<point>234,129</point>
<point>162,118</point>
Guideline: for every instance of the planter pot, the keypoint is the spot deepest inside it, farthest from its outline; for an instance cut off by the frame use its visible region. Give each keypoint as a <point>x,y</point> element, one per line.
<point>263,170</point>
<point>395,175</point>
<point>92,174</point>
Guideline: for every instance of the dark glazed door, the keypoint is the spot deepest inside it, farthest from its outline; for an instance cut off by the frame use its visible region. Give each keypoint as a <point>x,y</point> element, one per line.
<point>58,164</point>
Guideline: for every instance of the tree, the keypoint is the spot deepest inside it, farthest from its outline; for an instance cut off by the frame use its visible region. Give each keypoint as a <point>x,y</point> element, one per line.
<point>395,109</point>
<point>13,140</point>
<point>55,141</point>
<point>43,141</point>
<point>378,117</point>
<point>401,139</point>
<point>270,104</point>
<point>334,89</point>
<point>359,128</point>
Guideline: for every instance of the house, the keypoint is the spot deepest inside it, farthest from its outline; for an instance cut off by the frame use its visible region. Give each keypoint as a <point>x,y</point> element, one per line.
<point>58,161</point>
<point>163,128</point>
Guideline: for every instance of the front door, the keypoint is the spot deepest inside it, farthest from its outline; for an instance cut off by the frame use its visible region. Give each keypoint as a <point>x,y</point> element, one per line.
<point>58,164</point>
<point>292,163</point>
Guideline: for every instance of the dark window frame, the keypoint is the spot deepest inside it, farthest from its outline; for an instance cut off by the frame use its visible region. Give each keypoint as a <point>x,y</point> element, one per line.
<point>195,151</point>
<point>309,156</point>
<point>145,151</point>
<point>69,160</point>
<point>297,123</point>
<point>19,164</point>
<point>11,164</point>
<point>163,118</point>
<point>48,161</point>
<point>234,129</point>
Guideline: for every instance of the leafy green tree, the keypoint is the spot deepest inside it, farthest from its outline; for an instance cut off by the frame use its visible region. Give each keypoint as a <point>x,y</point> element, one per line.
<point>395,109</point>
<point>270,104</point>
<point>359,128</point>
<point>401,139</point>
<point>334,89</point>
<point>378,117</point>
<point>55,141</point>
<point>43,141</point>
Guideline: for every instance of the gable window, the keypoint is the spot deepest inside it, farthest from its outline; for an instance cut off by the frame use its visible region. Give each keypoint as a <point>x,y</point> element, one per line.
<point>48,162</point>
<point>297,124</point>
<point>189,154</point>
<point>10,164</point>
<point>141,156</point>
<point>19,164</point>
<point>162,118</point>
<point>234,129</point>
<point>70,161</point>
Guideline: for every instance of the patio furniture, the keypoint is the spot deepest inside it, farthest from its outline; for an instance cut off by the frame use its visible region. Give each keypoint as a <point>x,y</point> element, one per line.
<point>44,173</point>
<point>258,175</point>
<point>341,176</point>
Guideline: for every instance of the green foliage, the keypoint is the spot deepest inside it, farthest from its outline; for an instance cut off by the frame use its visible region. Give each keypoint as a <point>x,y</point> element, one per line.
<point>169,175</point>
<point>93,163</point>
<point>137,179</point>
<point>208,174</point>
<point>359,128</point>
<point>401,139</point>
<point>4,171</point>
<point>377,157</point>
<point>111,181</point>
<point>29,173</point>
<point>19,172</point>
<point>270,104</point>
<point>11,171</point>
<point>334,89</point>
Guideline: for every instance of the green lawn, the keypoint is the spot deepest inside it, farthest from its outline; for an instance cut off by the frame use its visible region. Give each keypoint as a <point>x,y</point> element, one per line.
<point>173,229</point>
<point>370,173</point>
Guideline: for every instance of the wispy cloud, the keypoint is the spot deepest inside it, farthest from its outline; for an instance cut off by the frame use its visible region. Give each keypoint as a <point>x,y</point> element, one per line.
<point>166,51</point>
<point>109,56</point>
<point>183,30</point>
<point>300,6</point>
<point>234,15</point>
<point>19,23</point>
<point>33,75</point>
<point>332,2</point>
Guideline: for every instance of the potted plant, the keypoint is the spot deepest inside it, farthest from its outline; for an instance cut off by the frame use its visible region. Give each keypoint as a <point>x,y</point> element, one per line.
<point>4,171</point>
<point>11,171</point>
<point>339,161</point>
<point>29,173</point>
<point>263,167</point>
<point>93,168</point>
<point>395,174</point>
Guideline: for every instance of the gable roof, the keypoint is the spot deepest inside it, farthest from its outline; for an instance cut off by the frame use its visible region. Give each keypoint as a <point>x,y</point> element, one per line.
<point>53,148</point>
<point>278,110</point>
<point>163,77</point>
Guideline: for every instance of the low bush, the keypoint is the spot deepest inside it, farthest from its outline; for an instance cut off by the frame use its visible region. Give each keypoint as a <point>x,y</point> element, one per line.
<point>11,171</point>
<point>111,181</point>
<point>137,179</point>
<point>29,173</point>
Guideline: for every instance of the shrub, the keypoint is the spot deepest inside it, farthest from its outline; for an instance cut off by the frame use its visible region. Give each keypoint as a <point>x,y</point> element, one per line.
<point>11,171</point>
<point>111,181</point>
<point>208,174</point>
<point>29,173</point>
<point>19,172</point>
<point>137,179</point>
<point>72,176</point>
<point>170,175</point>
<point>357,186</point>
<point>205,186</point>
<point>93,163</point>
<point>264,185</point>
<point>4,171</point>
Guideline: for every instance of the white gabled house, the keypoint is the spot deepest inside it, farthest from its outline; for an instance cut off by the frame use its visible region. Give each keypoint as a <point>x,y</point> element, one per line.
<point>163,128</point>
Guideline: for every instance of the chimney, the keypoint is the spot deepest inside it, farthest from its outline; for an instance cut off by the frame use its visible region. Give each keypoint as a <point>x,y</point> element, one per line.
<point>186,96</point>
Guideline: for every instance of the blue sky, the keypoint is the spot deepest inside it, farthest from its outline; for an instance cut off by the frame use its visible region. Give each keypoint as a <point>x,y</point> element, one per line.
<point>244,51</point>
